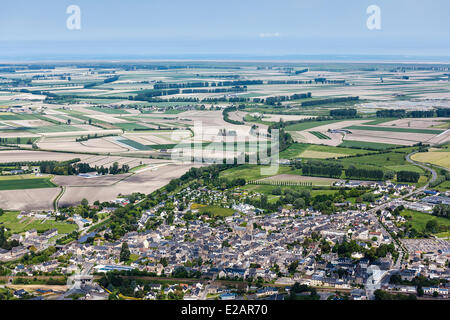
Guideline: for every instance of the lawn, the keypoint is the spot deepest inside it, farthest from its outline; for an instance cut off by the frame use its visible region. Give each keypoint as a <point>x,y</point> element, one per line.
<point>393,129</point>
<point>21,184</point>
<point>9,220</point>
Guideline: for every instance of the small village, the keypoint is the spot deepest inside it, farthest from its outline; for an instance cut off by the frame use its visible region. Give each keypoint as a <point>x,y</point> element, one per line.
<point>242,252</point>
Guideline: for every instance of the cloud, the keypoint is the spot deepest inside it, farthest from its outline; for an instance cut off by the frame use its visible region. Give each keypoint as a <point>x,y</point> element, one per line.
<point>269,35</point>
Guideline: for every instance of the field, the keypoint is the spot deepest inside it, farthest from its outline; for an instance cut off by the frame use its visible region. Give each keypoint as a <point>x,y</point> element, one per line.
<point>299,150</point>
<point>134,144</point>
<point>297,179</point>
<point>438,157</point>
<point>131,126</point>
<point>216,211</point>
<point>394,129</point>
<point>309,125</point>
<point>392,160</point>
<point>419,220</point>
<point>14,225</point>
<point>20,184</point>
<point>320,135</point>
<point>108,110</point>
<point>132,121</point>
<point>367,145</point>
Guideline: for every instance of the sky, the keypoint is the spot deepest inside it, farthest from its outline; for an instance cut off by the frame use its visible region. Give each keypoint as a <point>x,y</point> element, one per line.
<point>245,28</point>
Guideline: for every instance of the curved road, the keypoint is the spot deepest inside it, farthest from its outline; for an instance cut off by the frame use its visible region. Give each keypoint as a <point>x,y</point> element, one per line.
<point>433,172</point>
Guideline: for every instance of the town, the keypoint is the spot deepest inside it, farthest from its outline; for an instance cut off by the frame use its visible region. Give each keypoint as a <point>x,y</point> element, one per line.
<point>203,242</point>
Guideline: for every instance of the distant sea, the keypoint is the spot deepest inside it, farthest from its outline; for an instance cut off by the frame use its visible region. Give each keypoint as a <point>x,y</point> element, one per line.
<point>52,51</point>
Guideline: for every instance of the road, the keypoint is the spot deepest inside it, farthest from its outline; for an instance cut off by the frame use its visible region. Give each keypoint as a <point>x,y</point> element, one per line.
<point>384,280</point>
<point>433,172</point>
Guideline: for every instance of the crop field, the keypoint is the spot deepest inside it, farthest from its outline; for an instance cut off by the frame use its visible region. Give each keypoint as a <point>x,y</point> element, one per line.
<point>440,158</point>
<point>134,144</point>
<point>130,126</point>
<point>367,145</point>
<point>108,110</point>
<point>292,178</point>
<point>393,129</point>
<point>58,128</point>
<point>320,135</point>
<point>382,160</point>
<point>253,172</point>
<point>12,116</point>
<point>152,111</point>
<point>309,125</point>
<point>20,184</point>
<point>299,150</point>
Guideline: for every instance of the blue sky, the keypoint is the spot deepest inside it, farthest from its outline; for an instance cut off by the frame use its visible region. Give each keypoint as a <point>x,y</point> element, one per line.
<point>239,27</point>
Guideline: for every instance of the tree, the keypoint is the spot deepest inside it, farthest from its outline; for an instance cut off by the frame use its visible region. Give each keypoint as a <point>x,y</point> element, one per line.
<point>293,267</point>
<point>125,252</point>
<point>419,290</point>
<point>299,203</point>
<point>432,226</point>
<point>84,202</point>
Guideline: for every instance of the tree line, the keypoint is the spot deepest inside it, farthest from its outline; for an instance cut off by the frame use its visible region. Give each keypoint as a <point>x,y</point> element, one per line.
<point>347,113</point>
<point>401,113</point>
<point>329,101</point>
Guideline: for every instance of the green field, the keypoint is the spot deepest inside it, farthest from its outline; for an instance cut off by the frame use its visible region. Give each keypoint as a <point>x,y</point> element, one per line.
<point>367,145</point>
<point>17,117</point>
<point>21,140</point>
<point>55,128</point>
<point>380,121</point>
<point>296,149</point>
<point>134,144</point>
<point>9,220</point>
<point>109,110</point>
<point>309,125</point>
<point>406,167</point>
<point>131,126</point>
<point>393,129</point>
<point>379,160</point>
<point>21,184</point>
<point>320,135</point>
<point>252,172</point>
<point>419,220</point>
<point>216,211</point>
